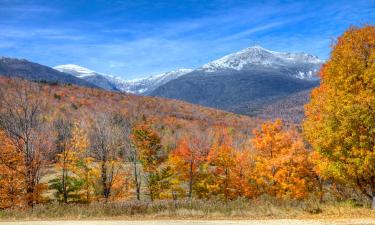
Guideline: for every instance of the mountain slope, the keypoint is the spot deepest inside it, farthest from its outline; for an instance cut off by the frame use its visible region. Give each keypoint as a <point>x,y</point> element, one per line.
<point>169,116</point>
<point>88,75</point>
<point>290,108</point>
<point>245,81</point>
<point>146,85</point>
<point>33,71</point>
<point>141,86</point>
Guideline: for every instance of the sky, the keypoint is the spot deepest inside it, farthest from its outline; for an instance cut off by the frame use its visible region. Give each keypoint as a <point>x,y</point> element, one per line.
<point>136,38</point>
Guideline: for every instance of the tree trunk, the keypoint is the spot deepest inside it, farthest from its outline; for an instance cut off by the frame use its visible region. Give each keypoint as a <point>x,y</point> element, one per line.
<point>30,186</point>
<point>373,201</point>
<point>30,194</point>
<point>64,188</point>
<point>136,178</point>
<point>104,180</point>
<point>191,182</point>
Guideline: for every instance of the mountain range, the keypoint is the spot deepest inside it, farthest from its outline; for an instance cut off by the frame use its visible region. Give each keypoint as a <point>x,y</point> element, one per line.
<point>252,81</point>
<point>140,86</point>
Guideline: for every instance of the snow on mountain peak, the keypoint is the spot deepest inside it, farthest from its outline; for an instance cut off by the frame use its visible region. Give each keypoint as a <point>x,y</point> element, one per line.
<point>257,55</point>
<point>75,70</point>
<point>148,84</point>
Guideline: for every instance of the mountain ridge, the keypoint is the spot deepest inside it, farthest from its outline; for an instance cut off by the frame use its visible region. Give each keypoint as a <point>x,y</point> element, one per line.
<point>257,55</point>
<point>28,70</point>
<point>141,86</point>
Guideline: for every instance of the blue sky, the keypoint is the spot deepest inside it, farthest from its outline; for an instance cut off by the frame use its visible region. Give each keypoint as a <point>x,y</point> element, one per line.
<point>133,38</point>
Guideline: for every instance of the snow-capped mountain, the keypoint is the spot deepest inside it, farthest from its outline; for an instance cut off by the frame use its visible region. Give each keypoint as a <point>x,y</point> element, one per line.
<point>305,65</point>
<point>140,86</point>
<point>100,80</point>
<point>245,81</point>
<point>147,84</point>
<point>75,70</point>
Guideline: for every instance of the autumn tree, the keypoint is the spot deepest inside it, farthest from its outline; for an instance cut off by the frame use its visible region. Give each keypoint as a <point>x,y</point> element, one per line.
<point>72,143</point>
<point>22,117</point>
<point>106,144</point>
<point>340,117</point>
<point>222,158</point>
<point>130,153</point>
<point>151,156</point>
<point>282,166</point>
<point>243,171</point>
<point>88,173</point>
<point>12,182</point>
<point>188,157</point>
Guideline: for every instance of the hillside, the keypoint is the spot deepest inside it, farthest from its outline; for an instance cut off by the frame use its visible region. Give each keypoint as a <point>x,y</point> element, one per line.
<point>178,116</point>
<point>290,109</point>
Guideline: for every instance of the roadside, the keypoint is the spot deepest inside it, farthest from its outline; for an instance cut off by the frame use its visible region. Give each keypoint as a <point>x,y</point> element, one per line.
<point>200,222</point>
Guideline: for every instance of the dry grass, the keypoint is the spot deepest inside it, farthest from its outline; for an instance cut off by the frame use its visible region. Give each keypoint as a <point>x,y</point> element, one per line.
<point>239,209</point>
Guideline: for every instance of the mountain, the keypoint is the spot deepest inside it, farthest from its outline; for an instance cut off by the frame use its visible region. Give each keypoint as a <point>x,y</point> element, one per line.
<point>141,86</point>
<point>146,85</point>
<point>88,75</point>
<point>301,65</point>
<point>246,81</point>
<point>22,68</point>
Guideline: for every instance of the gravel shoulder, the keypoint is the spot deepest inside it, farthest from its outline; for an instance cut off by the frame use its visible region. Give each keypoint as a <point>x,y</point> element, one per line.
<point>197,222</point>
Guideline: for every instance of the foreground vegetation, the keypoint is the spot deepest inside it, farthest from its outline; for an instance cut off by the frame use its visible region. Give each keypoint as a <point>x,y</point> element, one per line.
<point>198,209</point>
<point>70,152</point>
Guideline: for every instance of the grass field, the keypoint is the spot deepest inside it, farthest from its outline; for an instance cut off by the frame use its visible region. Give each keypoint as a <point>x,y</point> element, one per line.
<point>239,209</point>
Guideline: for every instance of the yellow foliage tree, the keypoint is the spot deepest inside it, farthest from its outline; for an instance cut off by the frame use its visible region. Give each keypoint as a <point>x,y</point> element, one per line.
<point>151,156</point>
<point>68,185</point>
<point>341,115</point>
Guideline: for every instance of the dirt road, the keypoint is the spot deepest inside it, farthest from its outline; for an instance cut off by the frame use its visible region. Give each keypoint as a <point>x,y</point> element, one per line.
<point>199,222</point>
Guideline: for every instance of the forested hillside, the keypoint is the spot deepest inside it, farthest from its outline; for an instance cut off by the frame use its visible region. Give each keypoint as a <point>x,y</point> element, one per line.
<point>45,118</point>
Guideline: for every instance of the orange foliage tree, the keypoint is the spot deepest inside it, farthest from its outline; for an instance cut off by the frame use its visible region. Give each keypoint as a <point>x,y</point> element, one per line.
<point>243,171</point>
<point>187,159</point>
<point>23,118</point>
<point>282,166</point>
<point>12,181</point>
<point>222,159</point>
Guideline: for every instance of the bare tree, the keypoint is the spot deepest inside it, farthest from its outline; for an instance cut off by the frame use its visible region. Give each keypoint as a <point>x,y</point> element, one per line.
<point>21,117</point>
<point>134,158</point>
<point>132,154</point>
<point>106,144</point>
